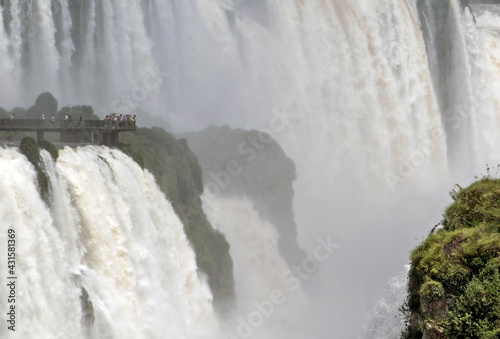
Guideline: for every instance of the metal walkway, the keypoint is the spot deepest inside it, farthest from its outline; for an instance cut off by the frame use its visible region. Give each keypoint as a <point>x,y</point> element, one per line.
<point>97,132</point>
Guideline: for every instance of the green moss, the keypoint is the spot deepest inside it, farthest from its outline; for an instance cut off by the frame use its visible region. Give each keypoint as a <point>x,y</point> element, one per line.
<point>461,262</point>
<point>477,314</point>
<point>179,176</point>
<point>43,184</point>
<point>49,147</point>
<point>432,290</point>
<point>29,147</point>
<point>479,203</point>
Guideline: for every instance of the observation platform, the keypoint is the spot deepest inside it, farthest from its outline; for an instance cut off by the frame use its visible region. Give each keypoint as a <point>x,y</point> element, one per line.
<point>98,132</point>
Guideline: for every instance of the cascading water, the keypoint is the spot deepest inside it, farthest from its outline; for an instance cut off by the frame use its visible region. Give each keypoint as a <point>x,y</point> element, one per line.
<point>461,76</point>
<point>375,101</point>
<point>385,320</point>
<point>261,273</point>
<point>486,18</point>
<point>108,259</point>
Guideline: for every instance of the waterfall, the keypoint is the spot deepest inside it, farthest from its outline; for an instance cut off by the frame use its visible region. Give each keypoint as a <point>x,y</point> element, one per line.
<point>355,76</point>
<point>108,258</point>
<point>381,104</point>
<point>487,23</point>
<point>260,271</point>
<point>352,75</point>
<point>461,75</point>
<point>385,320</point>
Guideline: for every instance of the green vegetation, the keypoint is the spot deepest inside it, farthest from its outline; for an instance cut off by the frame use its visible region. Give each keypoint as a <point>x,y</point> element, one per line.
<point>49,147</point>
<point>179,175</point>
<point>455,272</point>
<point>44,104</point>
<point>431,290</point>
<point>31,149</point>
<point>477,314</point>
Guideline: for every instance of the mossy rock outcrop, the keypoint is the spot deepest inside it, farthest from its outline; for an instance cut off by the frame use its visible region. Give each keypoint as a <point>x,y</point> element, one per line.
<point>249,163</point>
<point>31,149</point>
<point>454,281</point>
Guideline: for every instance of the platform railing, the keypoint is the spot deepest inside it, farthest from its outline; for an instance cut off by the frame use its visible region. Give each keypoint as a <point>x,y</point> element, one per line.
<point>64,124</point>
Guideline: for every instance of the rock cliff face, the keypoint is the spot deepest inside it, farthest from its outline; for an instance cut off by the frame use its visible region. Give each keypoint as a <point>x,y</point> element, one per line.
<point>236,162</point>
<point>454,281</point>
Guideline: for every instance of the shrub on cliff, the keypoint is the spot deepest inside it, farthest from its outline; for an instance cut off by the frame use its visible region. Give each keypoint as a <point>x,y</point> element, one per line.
<point>432,290</point>
<point>479,203</point>
<point>49,147</point>
<point>477,314</point>
<point>30,148</point>
<point>45,104</point>
<point>463,258</point>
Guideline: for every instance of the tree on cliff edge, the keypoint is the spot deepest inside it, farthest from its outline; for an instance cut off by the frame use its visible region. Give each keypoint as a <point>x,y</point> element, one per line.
<point>46,104</point>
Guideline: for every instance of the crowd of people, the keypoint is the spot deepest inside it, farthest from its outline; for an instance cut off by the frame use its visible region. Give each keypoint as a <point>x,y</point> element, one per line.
<point>120,121</point>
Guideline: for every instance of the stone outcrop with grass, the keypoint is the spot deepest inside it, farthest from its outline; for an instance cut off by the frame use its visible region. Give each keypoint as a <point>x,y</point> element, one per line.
<point>454,280</point>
